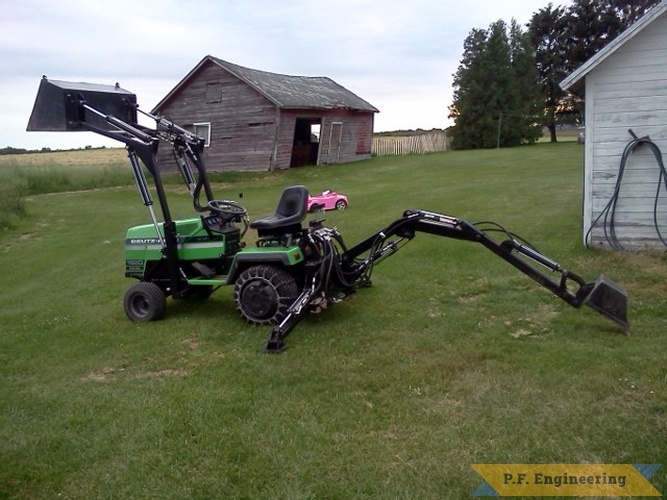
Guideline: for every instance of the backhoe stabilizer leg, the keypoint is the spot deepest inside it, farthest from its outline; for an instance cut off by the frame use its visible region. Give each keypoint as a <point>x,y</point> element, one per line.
<point>275,344</point>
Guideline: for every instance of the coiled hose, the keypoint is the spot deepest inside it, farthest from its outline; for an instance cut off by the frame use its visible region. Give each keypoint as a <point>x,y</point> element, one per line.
<point>608,214</point>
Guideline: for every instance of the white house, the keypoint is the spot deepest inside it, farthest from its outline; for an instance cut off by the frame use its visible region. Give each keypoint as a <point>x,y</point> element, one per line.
<point>625,88</point>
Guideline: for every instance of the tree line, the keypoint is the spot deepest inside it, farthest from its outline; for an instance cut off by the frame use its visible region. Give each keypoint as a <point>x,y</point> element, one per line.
<point>506,88</point>
<point>21,151</point>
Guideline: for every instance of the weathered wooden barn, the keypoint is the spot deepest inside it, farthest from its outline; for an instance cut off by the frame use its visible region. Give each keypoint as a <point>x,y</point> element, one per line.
<point>257,121</point>
<point>625,88</point>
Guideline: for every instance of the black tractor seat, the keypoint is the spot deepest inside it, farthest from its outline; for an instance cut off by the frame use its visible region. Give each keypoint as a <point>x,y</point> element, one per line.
<point>291,211</point>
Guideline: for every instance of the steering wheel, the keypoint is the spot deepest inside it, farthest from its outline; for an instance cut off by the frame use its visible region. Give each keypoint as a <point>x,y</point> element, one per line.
<point>227,208</point>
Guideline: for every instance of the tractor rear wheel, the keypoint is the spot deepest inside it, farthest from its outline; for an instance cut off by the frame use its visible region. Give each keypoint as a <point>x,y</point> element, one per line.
<point>262,294</point>
<point>145,301</point>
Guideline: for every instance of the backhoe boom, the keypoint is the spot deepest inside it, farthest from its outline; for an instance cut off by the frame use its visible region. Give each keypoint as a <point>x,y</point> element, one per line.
<point>340,270</point>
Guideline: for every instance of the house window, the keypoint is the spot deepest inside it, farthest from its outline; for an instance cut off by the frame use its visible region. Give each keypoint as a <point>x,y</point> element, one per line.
<point>203,130</point>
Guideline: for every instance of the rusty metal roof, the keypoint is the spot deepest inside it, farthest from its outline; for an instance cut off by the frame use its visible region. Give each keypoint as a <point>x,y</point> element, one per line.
<point>287,91</point>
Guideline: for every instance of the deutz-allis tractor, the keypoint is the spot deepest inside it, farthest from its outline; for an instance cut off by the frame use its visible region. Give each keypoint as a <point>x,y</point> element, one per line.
<point>294,267</point>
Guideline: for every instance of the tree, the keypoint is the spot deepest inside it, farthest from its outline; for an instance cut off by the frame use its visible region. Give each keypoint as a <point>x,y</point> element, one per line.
<point>565,38</point>
<point>525,74</point>
<point>546,29</point>
<point>469,102</point>
<point>592,24</point>
<point>629,11</point>
<point>493,95</point>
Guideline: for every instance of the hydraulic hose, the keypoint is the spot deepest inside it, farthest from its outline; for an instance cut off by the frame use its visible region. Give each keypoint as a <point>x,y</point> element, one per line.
<point>608,213</point>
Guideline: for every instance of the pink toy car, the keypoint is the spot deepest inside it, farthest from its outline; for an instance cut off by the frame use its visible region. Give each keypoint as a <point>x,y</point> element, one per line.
<point>330,199</point>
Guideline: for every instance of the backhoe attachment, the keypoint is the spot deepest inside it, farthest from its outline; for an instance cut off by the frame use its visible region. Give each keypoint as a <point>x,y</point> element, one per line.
<point>335,271</point>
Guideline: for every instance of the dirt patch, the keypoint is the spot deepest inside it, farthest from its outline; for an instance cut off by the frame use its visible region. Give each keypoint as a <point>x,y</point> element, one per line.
<point>108,373</point>
<point>535,324</point>
<point>167,372</point>
<point>102,375</point>
<point>191,343</point>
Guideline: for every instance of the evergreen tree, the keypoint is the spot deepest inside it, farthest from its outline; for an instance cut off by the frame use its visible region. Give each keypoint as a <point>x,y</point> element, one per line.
<point>592,24</point>
<point>467,107</point>
<point>528,87</point>
<point>494,93</point>
<point>628,11</point>
<point>566,37</point>
<point>546,29</point>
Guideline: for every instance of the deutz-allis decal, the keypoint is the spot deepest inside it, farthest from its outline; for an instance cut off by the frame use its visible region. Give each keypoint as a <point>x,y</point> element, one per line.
<point>143,241</point>
<point>157,241</point>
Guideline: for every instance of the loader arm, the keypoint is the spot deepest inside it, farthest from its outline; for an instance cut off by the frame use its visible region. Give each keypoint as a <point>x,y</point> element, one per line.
<point>112,112</point>
<point>347,268</point>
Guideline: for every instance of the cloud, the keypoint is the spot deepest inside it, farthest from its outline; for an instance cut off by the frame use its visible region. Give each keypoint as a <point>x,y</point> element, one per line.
<point>398,55</point>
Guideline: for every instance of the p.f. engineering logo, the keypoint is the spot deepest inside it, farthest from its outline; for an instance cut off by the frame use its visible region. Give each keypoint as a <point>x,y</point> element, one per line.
<point>619,480</point>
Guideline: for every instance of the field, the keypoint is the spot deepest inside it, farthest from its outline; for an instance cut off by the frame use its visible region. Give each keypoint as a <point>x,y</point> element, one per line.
<point>58,171</point>
<point>91,158</point>
<point>451,358</point>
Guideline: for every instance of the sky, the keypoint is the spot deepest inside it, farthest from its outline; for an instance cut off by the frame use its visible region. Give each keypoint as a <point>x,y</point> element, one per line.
<point>399,55</point>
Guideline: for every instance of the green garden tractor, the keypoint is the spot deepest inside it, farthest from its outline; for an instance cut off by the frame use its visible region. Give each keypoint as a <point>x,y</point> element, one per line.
<point>293,267</point>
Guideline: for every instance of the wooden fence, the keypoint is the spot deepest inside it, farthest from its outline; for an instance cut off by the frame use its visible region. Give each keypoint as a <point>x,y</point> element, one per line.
<point>412,144</point>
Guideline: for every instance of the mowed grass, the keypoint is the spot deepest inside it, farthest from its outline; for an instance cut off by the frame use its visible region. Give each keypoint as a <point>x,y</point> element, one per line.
<point>451,358</point>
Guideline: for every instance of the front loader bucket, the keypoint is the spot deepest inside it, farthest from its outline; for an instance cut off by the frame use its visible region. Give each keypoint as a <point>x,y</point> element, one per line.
<point>57,107</point>
<point>609,298</point>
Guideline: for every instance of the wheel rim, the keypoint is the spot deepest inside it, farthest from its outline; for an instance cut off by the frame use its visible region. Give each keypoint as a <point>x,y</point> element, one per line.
<point>140,305</point>
<point>340,205</point>
<point>259,300</point>
<point>263,293</point>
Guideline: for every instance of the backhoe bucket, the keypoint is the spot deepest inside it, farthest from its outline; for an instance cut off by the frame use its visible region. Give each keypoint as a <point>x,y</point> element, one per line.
<point>610,299</point>
<point>57,106</point>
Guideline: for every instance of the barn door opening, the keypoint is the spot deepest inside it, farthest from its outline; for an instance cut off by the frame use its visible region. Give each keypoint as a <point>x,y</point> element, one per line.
<point>306,145</point>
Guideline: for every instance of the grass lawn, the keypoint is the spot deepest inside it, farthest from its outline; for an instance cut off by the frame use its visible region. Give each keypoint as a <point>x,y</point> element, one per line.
<point>451,358</point>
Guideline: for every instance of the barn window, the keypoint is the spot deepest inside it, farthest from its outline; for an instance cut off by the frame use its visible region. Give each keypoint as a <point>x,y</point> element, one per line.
<point>203,130</point>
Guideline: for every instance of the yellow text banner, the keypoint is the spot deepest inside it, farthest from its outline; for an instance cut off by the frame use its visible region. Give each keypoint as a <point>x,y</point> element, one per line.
<point>566,480</point>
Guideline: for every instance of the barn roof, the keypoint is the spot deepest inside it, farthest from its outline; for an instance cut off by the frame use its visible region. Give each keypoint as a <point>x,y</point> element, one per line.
<point>575,82</point>
<point>286,91</point>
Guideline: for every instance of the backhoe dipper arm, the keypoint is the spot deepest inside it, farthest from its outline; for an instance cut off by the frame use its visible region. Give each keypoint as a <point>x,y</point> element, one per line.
<point>603,295</point>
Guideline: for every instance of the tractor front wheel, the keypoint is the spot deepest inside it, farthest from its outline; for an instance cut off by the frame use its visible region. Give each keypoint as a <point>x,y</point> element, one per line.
<point>262,294</point>
<point>145,301</point>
